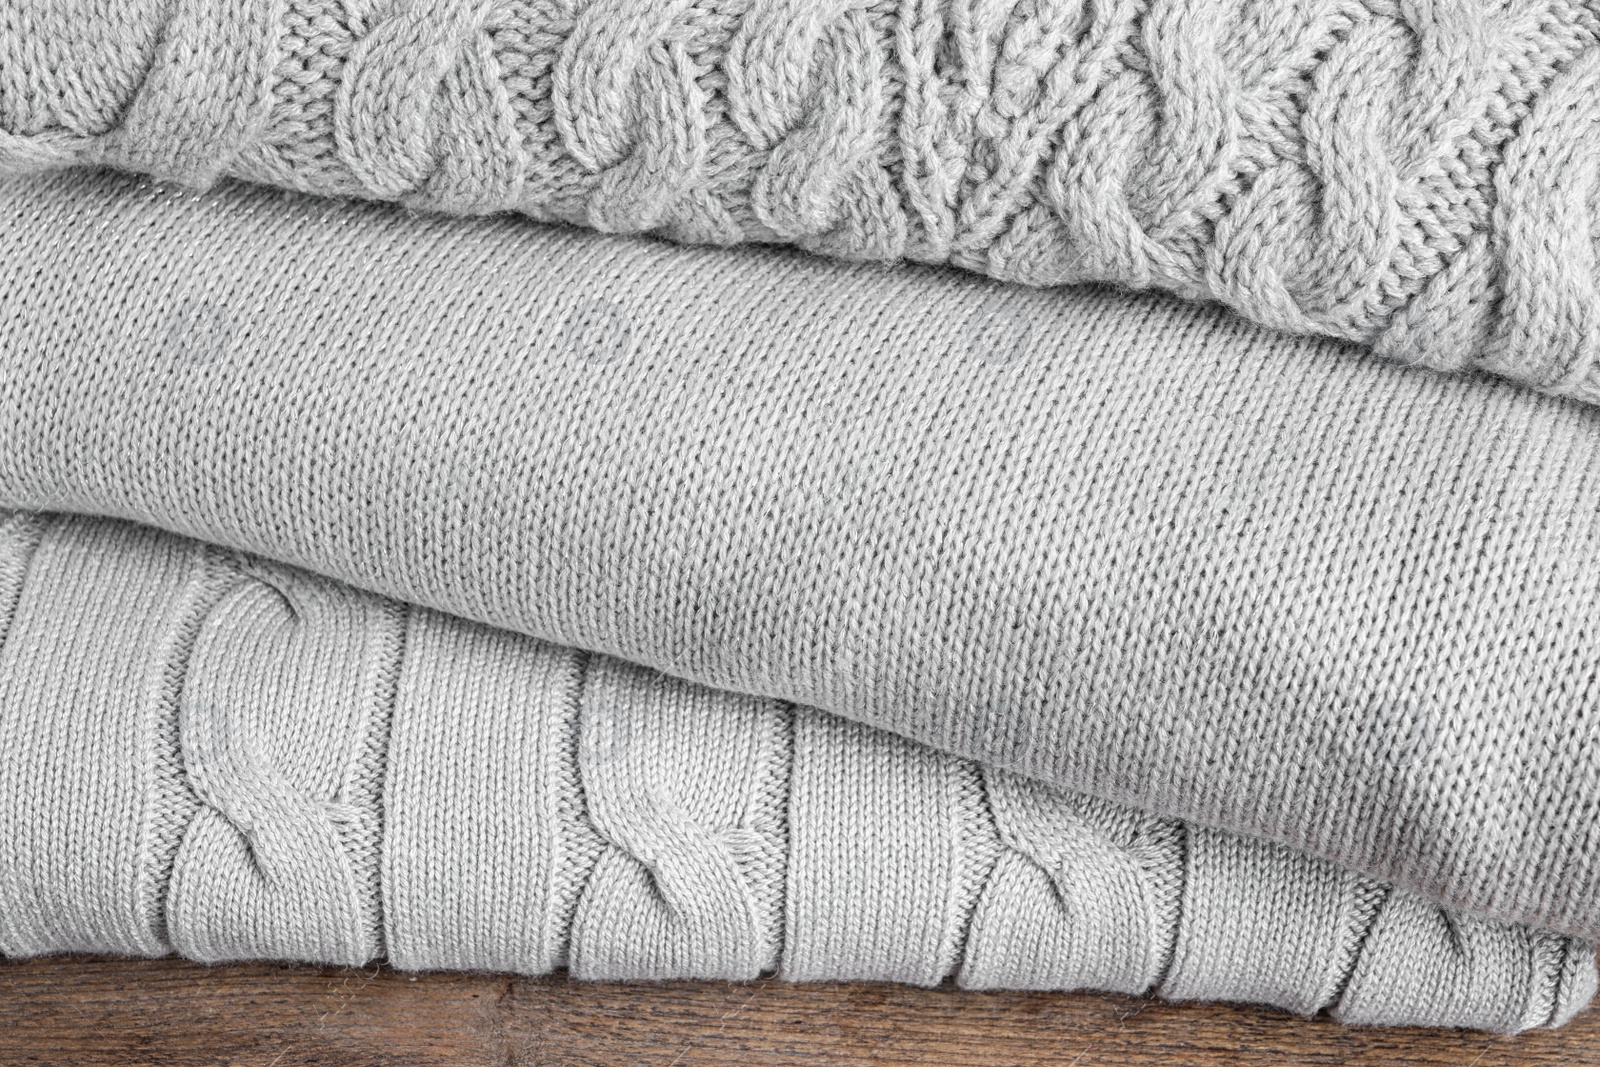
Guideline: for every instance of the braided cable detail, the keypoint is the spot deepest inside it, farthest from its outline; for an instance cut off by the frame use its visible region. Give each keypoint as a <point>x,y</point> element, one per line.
<point>278,836</point>
<point>675,874</point>
<point>1085,895</point>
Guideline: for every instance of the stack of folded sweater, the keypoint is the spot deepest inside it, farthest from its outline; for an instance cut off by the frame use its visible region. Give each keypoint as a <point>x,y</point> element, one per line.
<point>915,600</point>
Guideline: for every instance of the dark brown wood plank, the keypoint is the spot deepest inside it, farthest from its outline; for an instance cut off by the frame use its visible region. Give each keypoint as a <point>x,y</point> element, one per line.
<point>91,1011</point>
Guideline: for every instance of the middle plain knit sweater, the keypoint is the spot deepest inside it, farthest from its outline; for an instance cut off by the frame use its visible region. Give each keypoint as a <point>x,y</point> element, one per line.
<point>1129,547</point>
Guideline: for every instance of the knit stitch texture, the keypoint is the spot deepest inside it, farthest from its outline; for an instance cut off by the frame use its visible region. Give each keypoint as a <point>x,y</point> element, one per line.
<point>1423,178</point>
<point>212,754</point>
<point>1127,546</point>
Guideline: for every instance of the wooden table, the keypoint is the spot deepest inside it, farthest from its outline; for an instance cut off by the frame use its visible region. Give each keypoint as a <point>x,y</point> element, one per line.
<point>90,1011</point>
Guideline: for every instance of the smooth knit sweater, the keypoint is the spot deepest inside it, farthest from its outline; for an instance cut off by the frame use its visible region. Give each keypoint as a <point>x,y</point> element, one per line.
<point>1127,546</point>
<point>1423,178</point>
<point>212,754</point>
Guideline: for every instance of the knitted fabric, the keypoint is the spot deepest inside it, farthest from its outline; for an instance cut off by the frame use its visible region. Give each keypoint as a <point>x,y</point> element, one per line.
<point>1128,546</point>
<point>219,756</point>
<point>1422,178</point>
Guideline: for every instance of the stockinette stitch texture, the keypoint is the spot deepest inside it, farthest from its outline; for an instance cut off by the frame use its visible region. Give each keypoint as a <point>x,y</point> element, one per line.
<point>1421,178</point>
<point>1130,547</point>
<point>212,754</point>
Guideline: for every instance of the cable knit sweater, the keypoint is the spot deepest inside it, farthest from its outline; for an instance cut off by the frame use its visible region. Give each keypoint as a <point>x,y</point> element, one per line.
<point>216,755</point>
<point>1422,178</point>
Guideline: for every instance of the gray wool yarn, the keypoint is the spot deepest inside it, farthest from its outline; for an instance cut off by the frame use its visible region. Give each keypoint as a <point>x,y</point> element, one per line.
<point>211,754</point>
<point>1128,546</point>
<point>1421,178</point>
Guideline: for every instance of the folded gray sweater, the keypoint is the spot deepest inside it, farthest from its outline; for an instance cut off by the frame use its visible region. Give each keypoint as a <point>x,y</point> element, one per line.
<point>208,753</point>
<point>1130,547</point>
<point>1424,178</point>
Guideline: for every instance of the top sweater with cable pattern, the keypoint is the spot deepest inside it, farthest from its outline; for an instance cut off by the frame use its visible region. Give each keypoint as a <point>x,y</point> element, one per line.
<point>1421,178</point>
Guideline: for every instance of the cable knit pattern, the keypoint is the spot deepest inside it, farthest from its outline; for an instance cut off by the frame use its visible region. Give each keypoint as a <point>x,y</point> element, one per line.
<point>286,676</point>
<point>1421,178</point>
<point>1062,864</point>
<point>531,807</point>
<point>674,874</point>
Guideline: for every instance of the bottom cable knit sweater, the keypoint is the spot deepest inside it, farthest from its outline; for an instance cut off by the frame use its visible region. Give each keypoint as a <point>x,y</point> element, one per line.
<point>228,758</point>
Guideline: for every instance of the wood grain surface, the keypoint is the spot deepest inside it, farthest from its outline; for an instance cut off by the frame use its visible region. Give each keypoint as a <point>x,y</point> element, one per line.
<point>90,1011</point>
